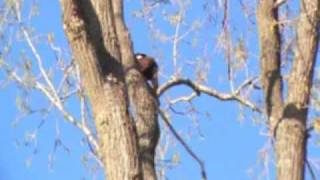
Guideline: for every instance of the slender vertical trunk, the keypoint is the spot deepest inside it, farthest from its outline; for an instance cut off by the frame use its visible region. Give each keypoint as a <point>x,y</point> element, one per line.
<point>288,120</point>
<point>291,135</point>
<point>270,59</point>
<point>144,103</point>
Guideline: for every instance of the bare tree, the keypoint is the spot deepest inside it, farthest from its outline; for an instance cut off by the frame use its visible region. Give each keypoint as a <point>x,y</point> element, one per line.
<point>86,24</point>
<point>125,112</point>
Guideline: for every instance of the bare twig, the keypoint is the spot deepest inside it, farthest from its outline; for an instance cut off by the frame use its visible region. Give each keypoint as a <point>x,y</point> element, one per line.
<point>48,88</point>
<point>184,144</point>
<point>176,42</point>
<point>184,98</point>
<point>57,102</point>
<point>309,167</point>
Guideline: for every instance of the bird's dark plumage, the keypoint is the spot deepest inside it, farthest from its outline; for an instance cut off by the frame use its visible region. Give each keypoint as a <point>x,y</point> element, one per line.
<point>148,68</point>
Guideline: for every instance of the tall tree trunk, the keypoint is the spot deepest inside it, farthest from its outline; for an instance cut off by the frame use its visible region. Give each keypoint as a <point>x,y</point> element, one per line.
<point>102,48</point>
<point>291,135</point>
<point>270,60</point>
<point>288,120</point>
<point>104,84</point>
<point>145,103</point>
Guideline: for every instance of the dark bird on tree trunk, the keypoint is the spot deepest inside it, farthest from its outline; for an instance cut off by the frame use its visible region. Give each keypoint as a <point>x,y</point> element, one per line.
<point>148,68</point>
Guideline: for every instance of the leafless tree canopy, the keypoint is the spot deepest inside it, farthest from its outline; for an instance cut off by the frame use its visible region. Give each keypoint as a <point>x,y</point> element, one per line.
<point>120,114</point>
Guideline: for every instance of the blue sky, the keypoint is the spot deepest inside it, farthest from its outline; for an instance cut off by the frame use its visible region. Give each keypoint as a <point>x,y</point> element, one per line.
<point>229,145</point>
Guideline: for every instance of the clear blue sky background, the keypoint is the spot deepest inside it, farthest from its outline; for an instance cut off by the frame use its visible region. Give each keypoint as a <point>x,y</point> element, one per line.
<point>230,148</point>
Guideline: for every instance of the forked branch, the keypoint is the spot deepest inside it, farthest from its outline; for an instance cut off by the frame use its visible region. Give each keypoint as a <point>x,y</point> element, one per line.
<point>199,88</point>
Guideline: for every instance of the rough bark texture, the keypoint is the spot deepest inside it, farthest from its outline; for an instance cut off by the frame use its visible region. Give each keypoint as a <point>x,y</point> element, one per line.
<point>144,104</point>
<point>270,59</point>
<point>102,48</point>
<point>291,136</point>
<point>288,120</point>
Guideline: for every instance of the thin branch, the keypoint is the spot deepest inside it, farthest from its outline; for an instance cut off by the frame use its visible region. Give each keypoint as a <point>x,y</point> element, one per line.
<point>36,54</point>
<point>309,167</point>
<point>51,92</point>
<point>184,144</point>
<point>199,88</point>
<point>39,61</point>
<point>184,98</point>
<point>176,42</point>
<point>58,104</point>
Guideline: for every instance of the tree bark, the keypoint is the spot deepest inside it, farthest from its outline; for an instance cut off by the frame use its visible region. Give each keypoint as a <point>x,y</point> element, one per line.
<point>291,136</point>
<point>103,79</point>
<point>144,102</point>
<point>124,109</point>
<point>270,60</point>
<point>288,120</point>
